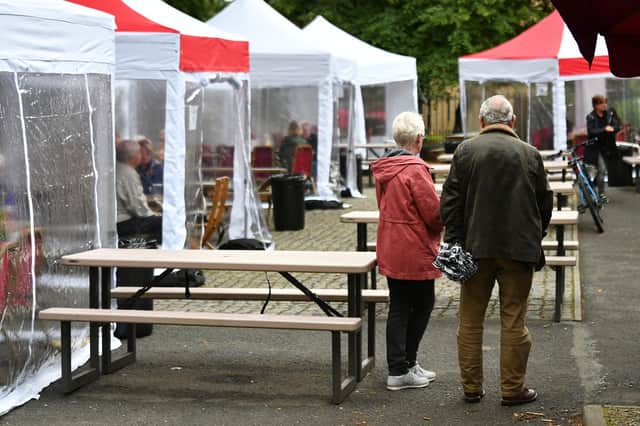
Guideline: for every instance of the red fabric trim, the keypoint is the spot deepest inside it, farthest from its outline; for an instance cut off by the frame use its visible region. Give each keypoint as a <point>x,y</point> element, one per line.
<point>538,42</point>
<point>213,54</point>
<point>127,19</point>
<point>579,66</point>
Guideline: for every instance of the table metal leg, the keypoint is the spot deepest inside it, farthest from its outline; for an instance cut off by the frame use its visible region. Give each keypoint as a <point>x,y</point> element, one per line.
<point>109,362</point>
<point>354,309</point>
<point>70,381</point>
<point>559,275</point>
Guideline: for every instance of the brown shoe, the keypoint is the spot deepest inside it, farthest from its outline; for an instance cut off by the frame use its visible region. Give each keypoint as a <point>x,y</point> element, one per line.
<point>474,396</point>
<point>524,397</point>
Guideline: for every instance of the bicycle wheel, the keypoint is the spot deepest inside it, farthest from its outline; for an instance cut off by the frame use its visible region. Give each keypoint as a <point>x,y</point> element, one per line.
<point>593,207</point>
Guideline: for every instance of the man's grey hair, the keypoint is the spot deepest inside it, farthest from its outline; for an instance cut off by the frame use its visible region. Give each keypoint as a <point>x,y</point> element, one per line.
<point>127,149</point>
<point>406,127</point>
<point>496,109</point>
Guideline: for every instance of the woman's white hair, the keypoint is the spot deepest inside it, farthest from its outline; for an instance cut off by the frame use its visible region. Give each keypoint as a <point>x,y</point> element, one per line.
<point>496,109</point>
<point>406,127</point>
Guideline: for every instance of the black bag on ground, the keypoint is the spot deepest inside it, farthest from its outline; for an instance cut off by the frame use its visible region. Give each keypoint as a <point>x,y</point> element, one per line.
<point>179,278</point>
<point>243,244</point>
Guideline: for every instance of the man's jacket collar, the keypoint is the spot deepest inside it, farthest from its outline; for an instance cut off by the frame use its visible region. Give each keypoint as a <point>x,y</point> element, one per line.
<point>499,128</point>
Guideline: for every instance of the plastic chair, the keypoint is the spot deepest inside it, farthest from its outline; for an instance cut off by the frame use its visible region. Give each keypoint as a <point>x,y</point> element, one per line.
<point>224,155</point>
<point>218,208</point>
<point>262,156</point>
<point>303,163</point>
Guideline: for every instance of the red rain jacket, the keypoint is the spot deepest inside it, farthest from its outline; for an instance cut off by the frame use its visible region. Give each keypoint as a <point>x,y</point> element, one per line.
<point>410,226</point>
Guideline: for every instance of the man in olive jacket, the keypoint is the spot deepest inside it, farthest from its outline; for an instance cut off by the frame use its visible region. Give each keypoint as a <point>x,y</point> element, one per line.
<point>497,204</point>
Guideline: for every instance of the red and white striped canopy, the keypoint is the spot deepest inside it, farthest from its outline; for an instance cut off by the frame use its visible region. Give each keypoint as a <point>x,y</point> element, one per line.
<point>202,47</point>
<point>546,51</point>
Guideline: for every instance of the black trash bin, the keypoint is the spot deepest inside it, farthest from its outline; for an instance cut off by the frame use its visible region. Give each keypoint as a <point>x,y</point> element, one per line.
<point>451,145</point>
<point>135,277</point>
<point>288,201</point>
<point>620,173</point>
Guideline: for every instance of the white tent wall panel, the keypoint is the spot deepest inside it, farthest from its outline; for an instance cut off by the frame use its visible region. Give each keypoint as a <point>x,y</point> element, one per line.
<point>400,96</point>
<point>145,52</point>
<point>49,40</point>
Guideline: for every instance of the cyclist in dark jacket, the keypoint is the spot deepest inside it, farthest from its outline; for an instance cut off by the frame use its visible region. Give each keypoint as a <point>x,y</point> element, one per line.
<point>602,126</point>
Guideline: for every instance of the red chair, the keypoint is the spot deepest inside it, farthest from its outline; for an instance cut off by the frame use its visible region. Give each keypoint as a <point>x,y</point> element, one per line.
<point>303,163</point>
<point>224,155</point>
<point>262,156</point>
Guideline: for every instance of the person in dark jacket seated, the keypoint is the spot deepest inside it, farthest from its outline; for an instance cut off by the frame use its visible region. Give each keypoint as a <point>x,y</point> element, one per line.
<point>289,144</point>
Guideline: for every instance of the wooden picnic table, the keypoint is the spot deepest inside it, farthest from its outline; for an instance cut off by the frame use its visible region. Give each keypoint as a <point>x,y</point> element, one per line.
<point>356,265</point>
<point>272,170</point>
<point>445,158</point>
<point>363,217</point>
<point>550,166</point>
<point>558,188</point>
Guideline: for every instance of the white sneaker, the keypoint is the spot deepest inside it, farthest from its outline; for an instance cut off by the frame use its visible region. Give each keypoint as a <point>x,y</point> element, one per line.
<point>419,371</point>
<point>406,381</point>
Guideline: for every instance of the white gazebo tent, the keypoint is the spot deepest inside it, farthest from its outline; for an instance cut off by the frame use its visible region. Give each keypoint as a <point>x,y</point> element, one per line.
<point>56,178</point>
<point>374,67</point>
<point>394,73</point>
<point>291,79</point>
<point>175,74</point>
<point>523,68</point>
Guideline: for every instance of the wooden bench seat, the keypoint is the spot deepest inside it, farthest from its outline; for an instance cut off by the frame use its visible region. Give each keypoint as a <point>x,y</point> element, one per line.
<point>336,325</point>
<point>559,263</point>
<point>258,294</point>
<point>369,297</point>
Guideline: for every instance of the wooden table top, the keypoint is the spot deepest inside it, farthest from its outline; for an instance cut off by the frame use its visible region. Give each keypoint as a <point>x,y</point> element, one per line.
<point>443,169</point>
<point>373,145</point>
<point>228,260</point>
<point>548,152</point>
<point>558,217</point>
<point>565,187</point>
<point>253,169</point>
<point>633,160</point>
<point>557,187</point>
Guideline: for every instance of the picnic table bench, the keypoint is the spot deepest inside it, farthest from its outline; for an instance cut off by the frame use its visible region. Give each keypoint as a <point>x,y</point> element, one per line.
<point>559,219</point>
<point>99,315</point>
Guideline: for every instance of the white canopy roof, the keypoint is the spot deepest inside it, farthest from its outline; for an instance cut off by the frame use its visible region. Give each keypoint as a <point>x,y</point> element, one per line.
<point>374,65</point>
<point>55,36</point>
<point>280,53</point>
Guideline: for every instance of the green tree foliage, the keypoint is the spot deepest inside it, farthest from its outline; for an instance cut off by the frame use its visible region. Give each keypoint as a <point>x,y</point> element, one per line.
<point>436,32</point>
<point>199,9</point>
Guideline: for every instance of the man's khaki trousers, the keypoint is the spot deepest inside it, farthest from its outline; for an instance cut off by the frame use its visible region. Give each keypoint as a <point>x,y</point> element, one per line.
<point>514,281</point>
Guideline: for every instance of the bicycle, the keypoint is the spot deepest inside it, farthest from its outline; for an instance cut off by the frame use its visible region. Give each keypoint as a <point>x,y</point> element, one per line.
<point>587,194</point>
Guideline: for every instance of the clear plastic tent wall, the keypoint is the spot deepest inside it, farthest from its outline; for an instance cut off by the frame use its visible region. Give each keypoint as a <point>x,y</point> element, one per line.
<point>385,84</point>
<point>291,80</point>
<point>217,133</point>
<point>56,179</point>
<point>160,95</point>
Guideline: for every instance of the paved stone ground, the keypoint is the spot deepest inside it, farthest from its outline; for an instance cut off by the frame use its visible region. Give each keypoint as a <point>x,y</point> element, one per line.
<point>323,231</point>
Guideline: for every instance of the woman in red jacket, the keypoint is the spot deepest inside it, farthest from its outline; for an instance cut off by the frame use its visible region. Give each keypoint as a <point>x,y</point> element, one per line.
<point>407,244</point>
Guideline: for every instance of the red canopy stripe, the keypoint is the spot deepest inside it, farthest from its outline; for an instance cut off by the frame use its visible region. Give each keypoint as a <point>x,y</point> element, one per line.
<point>206,54</point>
<point>538,42</point>
<point>127,19</point>
<point>580,66</point>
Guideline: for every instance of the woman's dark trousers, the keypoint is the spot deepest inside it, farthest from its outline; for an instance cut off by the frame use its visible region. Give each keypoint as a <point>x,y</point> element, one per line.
<point>410,306</point>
